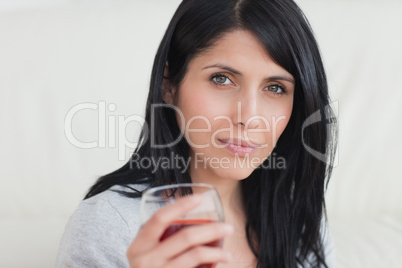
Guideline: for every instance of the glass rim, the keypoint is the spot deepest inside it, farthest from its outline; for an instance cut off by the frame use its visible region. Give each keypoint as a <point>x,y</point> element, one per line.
<point>151,191</point>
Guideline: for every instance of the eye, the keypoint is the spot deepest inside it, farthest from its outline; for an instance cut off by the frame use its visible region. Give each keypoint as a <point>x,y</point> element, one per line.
<point>276,89</point>
<point>221,79</point>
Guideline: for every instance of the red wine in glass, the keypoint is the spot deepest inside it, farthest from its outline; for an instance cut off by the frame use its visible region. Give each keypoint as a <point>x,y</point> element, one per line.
<point>180,224</point>
<point>209,210</point>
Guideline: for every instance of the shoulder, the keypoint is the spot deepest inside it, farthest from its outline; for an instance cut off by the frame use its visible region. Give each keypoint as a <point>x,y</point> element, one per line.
<point>111,207</point>
<point>328,247</point>
<point>328,244</point>
<point>100,230</point>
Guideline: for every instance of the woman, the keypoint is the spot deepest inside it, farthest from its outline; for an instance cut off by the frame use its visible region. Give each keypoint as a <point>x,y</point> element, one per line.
<point>232,84</point>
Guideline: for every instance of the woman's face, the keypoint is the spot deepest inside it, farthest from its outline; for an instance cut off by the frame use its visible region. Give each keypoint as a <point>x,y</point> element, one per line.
<point>234,103</point>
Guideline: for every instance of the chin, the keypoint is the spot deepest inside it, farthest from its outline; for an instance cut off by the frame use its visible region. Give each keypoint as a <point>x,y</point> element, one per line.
<point>236,174</point>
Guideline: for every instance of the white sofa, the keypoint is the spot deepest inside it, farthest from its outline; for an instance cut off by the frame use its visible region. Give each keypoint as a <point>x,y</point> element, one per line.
<point>56,56</point>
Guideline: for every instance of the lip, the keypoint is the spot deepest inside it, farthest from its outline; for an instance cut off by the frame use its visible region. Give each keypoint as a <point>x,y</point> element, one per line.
<point>239,146</point>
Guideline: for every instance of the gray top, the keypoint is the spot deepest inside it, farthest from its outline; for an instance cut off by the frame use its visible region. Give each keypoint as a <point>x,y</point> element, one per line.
<point>100,231</point>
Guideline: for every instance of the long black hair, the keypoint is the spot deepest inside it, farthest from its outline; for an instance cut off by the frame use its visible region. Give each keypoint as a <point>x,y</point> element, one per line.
<point>284,206</point>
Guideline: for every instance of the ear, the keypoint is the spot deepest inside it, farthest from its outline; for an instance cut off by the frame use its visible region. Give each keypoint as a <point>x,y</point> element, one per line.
<point>168,91</point>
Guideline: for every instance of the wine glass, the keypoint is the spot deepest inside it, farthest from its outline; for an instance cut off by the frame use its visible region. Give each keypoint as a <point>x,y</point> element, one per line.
<point>209,210</point>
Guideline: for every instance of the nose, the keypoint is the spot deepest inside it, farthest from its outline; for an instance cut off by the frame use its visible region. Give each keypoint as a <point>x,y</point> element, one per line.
<point>248,110</point>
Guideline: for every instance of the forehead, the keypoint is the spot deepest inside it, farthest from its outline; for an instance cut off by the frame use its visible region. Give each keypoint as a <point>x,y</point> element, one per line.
<point>241,38</point>
<point>242,50</point>
<point>236,41</point>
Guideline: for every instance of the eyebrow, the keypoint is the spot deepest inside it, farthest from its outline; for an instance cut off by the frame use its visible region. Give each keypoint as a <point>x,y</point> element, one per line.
<point>230,69</point>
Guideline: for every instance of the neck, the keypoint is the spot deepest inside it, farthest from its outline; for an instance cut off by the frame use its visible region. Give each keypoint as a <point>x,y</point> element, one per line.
<point>229,191</point>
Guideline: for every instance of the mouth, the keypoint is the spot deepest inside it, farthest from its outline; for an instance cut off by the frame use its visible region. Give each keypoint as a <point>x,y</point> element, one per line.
<point>239,146</point>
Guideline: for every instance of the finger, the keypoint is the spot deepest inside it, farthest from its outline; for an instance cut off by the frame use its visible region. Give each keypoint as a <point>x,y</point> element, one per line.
<point>199,255</point>
<point>148,236</point>
<point>192,236</point>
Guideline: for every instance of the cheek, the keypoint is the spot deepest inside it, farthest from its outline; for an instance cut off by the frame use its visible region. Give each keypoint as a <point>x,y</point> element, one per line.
<point>196,115</point>
<point>279,119</point>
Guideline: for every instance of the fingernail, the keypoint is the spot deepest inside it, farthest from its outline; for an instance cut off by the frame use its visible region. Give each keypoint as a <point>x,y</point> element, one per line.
<point>195,198</point>
<point>228,256</point>
<point>228,228</point>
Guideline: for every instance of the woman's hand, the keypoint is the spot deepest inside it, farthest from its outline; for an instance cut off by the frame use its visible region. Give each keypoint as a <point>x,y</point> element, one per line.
<point>186,248</point>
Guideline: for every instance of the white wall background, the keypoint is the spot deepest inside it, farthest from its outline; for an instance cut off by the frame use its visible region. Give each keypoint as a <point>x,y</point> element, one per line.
<point>57,54</point>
